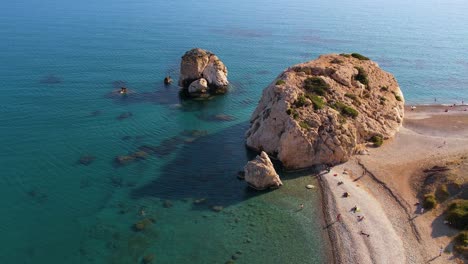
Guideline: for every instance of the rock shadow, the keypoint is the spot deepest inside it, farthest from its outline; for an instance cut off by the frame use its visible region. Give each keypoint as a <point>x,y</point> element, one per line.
<point>439,228</point>
<point>206,170</point>
<point>50,79</point>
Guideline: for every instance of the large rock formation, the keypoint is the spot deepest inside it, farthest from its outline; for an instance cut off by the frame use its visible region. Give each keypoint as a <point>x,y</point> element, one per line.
<point>200,68</point>
<point>323,111</point>
<point>260,173</point>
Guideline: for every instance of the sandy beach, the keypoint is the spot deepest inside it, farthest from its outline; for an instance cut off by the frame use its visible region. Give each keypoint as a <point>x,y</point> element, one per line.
<point>383,186</point>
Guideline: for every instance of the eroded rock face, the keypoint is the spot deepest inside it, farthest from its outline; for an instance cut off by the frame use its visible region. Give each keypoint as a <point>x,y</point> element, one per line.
<point>198,64</point>
<point>322,111</point>
<point>260,173</point>
<point>198,87</point>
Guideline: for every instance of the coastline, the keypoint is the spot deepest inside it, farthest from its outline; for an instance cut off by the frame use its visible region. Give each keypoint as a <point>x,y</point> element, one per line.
<point>381,185</point>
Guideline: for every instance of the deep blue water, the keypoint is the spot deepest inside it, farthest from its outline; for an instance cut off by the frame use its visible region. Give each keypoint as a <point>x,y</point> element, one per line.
<point>61,60</point>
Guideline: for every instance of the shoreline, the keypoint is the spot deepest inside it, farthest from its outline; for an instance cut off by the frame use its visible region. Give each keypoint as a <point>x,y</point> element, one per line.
<point>380,184</point>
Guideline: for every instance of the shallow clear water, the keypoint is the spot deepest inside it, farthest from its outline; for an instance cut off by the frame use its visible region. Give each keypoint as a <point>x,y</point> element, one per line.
<point>61,60</point>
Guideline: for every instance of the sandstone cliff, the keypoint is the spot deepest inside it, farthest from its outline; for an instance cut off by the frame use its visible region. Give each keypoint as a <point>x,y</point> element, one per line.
<point>323,111</point>
<point>202,73</point>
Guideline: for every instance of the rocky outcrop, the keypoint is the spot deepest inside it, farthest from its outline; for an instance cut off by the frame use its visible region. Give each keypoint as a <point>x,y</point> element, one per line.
<point>202,69</point>
<point>322,111</point>
<point>260,173</point>
<point>199,88</point>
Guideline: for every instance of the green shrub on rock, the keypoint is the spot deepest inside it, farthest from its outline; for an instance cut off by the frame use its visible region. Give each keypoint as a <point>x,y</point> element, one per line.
<point>345,109</point>
<point>377,140</point>
<point>442,193</point>
<point>304,125</point>
<point>361,76</point>
<point>429,201</point>
<point>316,85</point>
<point>359,56</point>
<point>457,214</point>
<point>301,101</point>
<point>353,97</point>
<point>280,82</point>
<point>317,101</point>
<point>461,243</point>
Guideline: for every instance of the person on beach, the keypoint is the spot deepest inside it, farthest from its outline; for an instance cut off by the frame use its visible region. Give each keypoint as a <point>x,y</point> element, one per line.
<point>360,218</point>
<point>364,234</point>
<point>441,250</point>
<point>346,194</point>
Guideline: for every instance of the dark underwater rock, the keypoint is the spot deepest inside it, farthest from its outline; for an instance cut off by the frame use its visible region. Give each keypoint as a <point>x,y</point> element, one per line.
<point>86,160</point>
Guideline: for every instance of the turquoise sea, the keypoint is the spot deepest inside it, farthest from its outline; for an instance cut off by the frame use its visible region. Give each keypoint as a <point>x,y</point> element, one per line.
<point>61,60</point>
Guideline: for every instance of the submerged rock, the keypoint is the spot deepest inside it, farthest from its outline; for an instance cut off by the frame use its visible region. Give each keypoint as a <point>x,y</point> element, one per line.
<point>167,80</point>
<point>51,79</point>
<point>322,111</point>
<point>202,73</point>
<point>260,173</point>
<point>143,224</point>
<point>124,160</point>
<point>167,204</point>
<point>86,160</point>
<point>124,116</point>
<point>217,208</point>
<point>147,259</point>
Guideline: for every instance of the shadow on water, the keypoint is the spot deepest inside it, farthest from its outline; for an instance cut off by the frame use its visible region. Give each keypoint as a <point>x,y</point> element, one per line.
<point>50,79</point>
<point>205,169</point>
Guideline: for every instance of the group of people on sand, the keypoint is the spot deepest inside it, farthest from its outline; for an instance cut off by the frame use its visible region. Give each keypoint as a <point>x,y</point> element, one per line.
<point>354,209</point>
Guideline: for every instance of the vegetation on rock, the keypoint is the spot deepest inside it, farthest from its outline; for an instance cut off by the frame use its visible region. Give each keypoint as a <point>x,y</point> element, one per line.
<point>317,101</point>
<point>457,214</point>
<point>280,82</point>
<point>345,109</point>
<point>353,97</point>
<point>301,101</point>
<point>442,193</point>
<point>304,125</point>
<point>359,56</point>
<point>361,76</point>
<point>461,243</point>
<point>429,201</point>
<point>316,85</point>
<point>377,140</point>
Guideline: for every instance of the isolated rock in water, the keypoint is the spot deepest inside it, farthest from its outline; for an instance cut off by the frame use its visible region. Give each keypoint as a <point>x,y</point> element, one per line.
<point>323,111</point>
<point>260,173</point>
<point>199,64</point>
<point>167,80</point>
